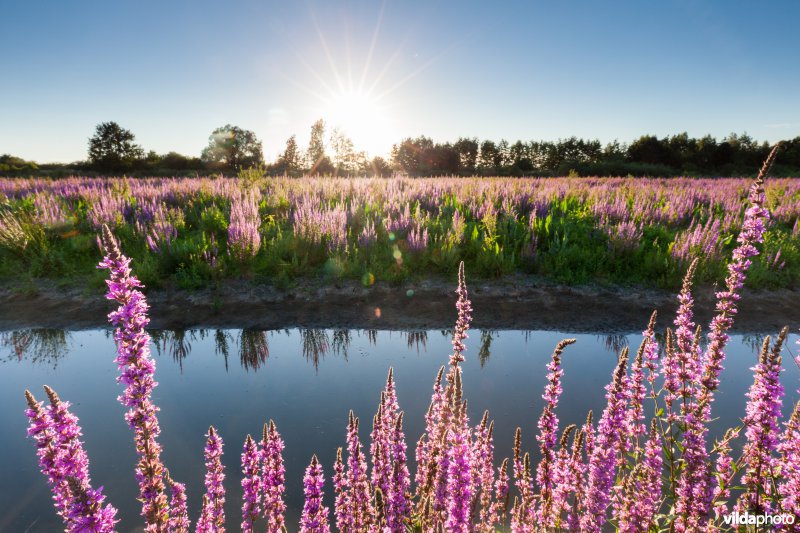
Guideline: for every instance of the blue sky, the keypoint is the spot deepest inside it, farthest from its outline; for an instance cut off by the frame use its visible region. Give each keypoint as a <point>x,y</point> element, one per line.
<point>171,72</point>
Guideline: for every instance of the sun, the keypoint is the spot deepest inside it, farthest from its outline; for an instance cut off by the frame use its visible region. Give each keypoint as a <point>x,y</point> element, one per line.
<point>362,117</point>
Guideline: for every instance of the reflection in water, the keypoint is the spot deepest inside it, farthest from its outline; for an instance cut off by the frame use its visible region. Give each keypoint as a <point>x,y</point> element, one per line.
<point>253,349</point>
<point>614,343</point>
<point>416,339</point>
<point>341,342</point>
<point>309,406</point>
<point>221,345</point>
<point>372,335</point>
<point>176,343</point>
<point>754,341</point>
<point>37,345</point>
<point>315,345</point>
<point>484,353</point>
<point>49,345</point>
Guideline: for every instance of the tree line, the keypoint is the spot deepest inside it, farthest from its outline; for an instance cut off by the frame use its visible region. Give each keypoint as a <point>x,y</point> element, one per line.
<point>230,149</point>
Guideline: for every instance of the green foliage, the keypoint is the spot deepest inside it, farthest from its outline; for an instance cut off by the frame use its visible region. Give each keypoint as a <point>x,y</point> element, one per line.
<point>111,148</point>
<point>570,244</point>
<point>233,148</point>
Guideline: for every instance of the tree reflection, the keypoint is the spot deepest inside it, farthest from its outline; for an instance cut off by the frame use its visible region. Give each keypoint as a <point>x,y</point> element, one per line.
<point>415,339</point>
<point>614,343</point>
<point>38,345</point>
<point>341,342</point>
<point>221,339</point>
<point>253,349</point>
<point>484,352</point>
<point>315,345</point>
<point>175,342</point>
<point>754,342</point>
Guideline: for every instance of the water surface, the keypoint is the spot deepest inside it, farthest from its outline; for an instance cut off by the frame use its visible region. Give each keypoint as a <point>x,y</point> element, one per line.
<point>306,380</point>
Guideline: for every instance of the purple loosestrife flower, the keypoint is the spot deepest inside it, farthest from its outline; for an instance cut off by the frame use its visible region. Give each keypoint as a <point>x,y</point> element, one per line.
<point>483,465</point>
<point>641,492</point>
<point>368,235</point>
<point>41,430</point>
<point>315,515</point>
<point>212,517</point>
<point>562,481</point>
<point>359,493</point>
<point>724,473</point>
<point>86,511</point>
<point>694,491</point>
<point>382,427</point>
<point>251,484</point>
<point>634,417</point>
<point>501,490</point>
<point>178,512</point>
<point>71,458</point>
<point>244,240</point>
<point>464,307</point>
<point>424,447</point>
<point>64,462</point>
<point>273,477</point>
<point>761,420</point>
<point>341,508</point>
<point>682,364</point>
<point>651,355</point>
<point>418,239</point>
<point>548,432</point>
<point>399,503</point>
<point>577,476</point>
<point>87,514</point>
<point>137,369</point>
<point>460,490</point>
<point>686,345</point>
<point>603,462</point>
<point>388,450</point>
<point>789,487</point>
<point>520,519</point>
<point>753,229</point>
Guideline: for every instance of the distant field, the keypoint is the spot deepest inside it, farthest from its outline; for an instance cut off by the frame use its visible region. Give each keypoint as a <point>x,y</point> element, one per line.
<point>190,233</point>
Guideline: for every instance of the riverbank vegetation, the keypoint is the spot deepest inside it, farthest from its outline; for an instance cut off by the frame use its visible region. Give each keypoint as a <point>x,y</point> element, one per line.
<point>643,462</point>
<point>192,233</point>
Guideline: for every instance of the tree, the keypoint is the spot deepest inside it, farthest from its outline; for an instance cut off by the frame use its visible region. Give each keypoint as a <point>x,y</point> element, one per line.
<point>468,153</point>
<point>344,156</point>
<point>318,162</point>
<point>409,155</point>
<point>650,149</point>
<point>111,148</point>
<point>489,155</point>
<point>233,148</point>
<point>379,168</point>
<point>289,160</point>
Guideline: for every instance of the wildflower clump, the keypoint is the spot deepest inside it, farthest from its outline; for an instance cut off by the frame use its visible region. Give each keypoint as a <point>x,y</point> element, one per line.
<point>644,466</point>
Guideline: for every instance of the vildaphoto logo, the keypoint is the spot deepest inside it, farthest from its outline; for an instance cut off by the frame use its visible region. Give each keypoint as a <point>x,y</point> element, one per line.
<point>747,519</point>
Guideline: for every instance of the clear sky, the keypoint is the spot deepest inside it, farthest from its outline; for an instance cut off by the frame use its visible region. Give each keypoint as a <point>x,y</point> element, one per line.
<point>171,72</point>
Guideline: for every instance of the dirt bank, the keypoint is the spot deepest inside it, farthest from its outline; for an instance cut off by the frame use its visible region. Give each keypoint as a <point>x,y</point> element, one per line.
<point>511,303</point>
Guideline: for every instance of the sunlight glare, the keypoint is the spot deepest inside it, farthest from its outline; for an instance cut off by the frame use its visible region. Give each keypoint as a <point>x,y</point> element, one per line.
<point>362,118</point>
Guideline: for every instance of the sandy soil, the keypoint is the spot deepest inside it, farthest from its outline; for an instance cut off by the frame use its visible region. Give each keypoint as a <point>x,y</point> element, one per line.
<point>515,302</point>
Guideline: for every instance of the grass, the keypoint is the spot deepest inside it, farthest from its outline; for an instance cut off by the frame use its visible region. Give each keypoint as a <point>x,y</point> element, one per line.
<point>562,230</point>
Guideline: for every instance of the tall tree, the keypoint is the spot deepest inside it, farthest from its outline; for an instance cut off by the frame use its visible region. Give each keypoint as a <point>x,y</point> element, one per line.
<point>344,156</point>
<point>318,162</point>
<point>489,155</point>
<point>289,160</point>
<point>468,153</point>
<point>233,148</point>
<point>111,148</point>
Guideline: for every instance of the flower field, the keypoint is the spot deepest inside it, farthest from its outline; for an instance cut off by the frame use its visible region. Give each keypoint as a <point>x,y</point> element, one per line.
<point>643,462</point>
<point>193,232</point>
